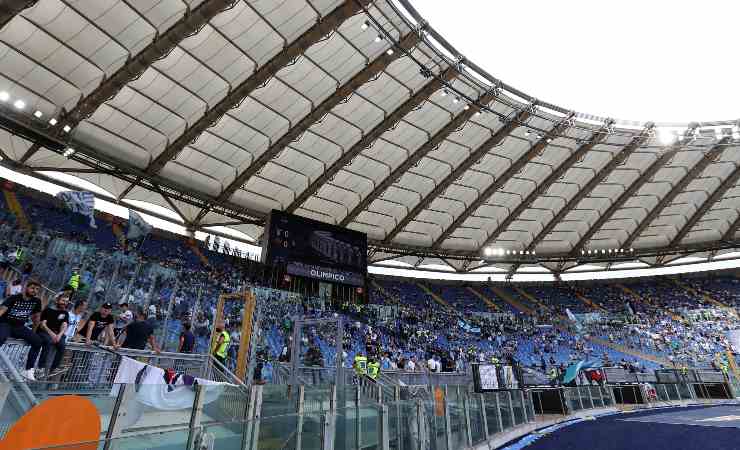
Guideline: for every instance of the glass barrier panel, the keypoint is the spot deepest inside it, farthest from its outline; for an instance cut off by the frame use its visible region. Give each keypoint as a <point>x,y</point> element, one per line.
<point>684,391</point>
<point>662,392</point>
<point>493,413</point>
<point>476,414</point>
<point>507,416</point>
<point>165,440</point>
<point>517,407</point>
<point>606,393</point>
<point>317,398</point>
<point>458,429</point>
<point>529,403</point>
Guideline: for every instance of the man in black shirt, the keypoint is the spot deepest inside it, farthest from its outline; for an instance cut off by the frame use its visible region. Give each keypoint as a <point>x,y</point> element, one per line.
<point>100,326</point>
<point>136,334</point>
<point>187,340</point>
<point>14,313</point>
<point>52,330</point>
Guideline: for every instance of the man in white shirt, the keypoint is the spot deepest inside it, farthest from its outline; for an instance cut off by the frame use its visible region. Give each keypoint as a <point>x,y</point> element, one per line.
<point>76,317</point>
<point>432,364</point>
<point>411,364</point>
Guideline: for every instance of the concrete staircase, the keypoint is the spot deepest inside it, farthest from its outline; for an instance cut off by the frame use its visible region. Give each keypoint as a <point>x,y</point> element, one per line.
<point>15,207</point>
<point>434,296</point>
<point>532,299</point>
<point>592,304</point>
<point>629,351</point>
<point>500,293</point>
<point>193,245</point>
<point>379,288</point>
<point>705,296</point>
<point>639,298</point>
<point>485,300</point>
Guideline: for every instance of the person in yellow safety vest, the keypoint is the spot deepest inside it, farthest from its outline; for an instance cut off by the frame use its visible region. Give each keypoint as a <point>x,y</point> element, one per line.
<point>725,368</point>
<point>360,364</point>
<point>373,369</point>
<point>19,254</point>
<point>684,371</point>
<point>221,345</point>
<point>74,280</point>
<point>494,360</point>
<point>553,375</point>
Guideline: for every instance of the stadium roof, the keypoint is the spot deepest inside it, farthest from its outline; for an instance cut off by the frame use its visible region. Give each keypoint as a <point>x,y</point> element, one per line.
<point>355,113</point>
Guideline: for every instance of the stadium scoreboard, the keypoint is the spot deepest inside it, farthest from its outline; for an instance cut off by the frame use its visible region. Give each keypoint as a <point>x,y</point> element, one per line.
<point>314,249</point>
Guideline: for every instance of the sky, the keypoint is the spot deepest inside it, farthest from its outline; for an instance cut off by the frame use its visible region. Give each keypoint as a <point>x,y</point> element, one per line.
<point>636,60</point>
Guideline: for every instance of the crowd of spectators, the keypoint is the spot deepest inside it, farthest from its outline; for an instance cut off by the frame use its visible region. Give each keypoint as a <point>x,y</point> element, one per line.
<point>160,295</point>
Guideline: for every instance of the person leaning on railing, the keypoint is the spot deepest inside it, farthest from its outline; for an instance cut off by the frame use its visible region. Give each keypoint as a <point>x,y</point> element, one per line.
<point>136,334</point>
<point>52,330</point>
<point>15,311</point>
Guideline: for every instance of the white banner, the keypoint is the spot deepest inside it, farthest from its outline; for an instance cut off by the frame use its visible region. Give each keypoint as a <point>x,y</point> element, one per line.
<point>80,202</point>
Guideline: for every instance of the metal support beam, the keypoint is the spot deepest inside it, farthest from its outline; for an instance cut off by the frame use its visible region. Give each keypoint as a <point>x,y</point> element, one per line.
<point>704,162</point>
<point>421,152</point>
<point>467,163</point>
<point>363,76</point>
<point>161,46</point>
<point>599,178</point>
<point>732,231</point>
<point>436,83</point>
<point>514,169</point>
<point>25,127</point>
<point>542,187</point>
<point>11,8</point>
<point>262,75</point>
<point>713,199</point>
<point>644,178</point>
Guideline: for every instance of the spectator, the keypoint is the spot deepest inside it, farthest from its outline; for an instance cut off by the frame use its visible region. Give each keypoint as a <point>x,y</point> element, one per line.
<point>16,287</point>
<point>221,345</point>
<point>125,317</point>
<point>76,319</point>
<point>136,334</point>
<point>15,311</point>
<point>52,330</point>
<point>26,270</point>
<point>187,340</point>
<point>100,326</point>
<point>74,280</point>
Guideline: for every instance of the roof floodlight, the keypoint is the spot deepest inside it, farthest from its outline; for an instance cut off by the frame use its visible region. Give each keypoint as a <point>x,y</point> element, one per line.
<point>67,128</point>
<point>38,114</point>
<point>389,52</point>
<point>4,96</point>
<point>378,38</point>
<point>456,100</point>
<point>19,104</point>
<point>365,25</point>
<point>52,121</point>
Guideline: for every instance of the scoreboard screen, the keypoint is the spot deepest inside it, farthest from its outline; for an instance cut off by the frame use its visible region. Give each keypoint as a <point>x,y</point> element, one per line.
<point>314,249</point>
